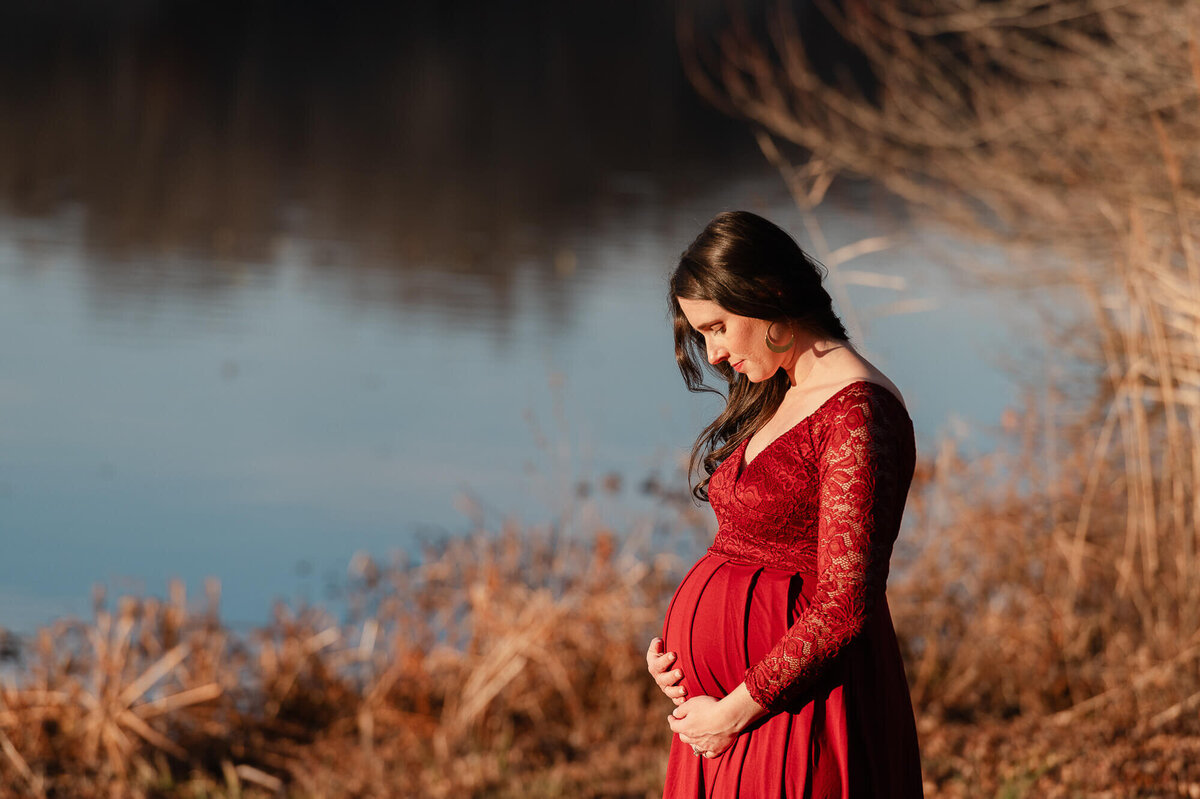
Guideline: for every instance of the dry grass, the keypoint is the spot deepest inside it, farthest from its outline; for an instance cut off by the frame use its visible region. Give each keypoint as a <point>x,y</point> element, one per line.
<point>1055,581</point>
<point>1068,133</point>
<point>510,663</point>
<point>501,661</point>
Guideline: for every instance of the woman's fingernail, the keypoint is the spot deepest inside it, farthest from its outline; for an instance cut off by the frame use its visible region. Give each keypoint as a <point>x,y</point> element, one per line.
<point>670,656</point>
<point>677,674</point>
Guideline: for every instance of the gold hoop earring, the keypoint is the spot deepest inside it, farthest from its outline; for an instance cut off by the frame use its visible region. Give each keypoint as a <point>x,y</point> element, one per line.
<point>780,348</point>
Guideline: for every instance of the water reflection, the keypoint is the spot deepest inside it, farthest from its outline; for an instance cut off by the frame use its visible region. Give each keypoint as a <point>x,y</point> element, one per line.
<point>458,139</point>
<point>278,284</point>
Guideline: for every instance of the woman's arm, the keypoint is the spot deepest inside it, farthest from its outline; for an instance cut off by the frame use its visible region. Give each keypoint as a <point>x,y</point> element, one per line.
<point>863,476</point>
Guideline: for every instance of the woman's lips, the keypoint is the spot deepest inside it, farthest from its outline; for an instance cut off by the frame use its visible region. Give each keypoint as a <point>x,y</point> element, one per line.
<point>737,367</point>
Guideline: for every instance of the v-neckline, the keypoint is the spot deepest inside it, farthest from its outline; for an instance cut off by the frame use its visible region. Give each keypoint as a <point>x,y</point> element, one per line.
<point>743,464</point>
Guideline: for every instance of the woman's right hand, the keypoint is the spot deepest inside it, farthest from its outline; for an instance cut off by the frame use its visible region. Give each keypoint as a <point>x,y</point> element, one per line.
<point>660,664</point>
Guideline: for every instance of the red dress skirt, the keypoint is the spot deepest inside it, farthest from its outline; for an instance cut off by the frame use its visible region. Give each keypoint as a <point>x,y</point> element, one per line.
<point>819,652</point>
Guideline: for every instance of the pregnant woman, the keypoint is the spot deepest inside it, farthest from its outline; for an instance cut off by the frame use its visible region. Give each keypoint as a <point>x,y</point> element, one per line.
<point>778,648</point>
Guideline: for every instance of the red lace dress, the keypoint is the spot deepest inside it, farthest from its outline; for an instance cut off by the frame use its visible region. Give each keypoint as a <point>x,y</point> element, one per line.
<point>790,600</point>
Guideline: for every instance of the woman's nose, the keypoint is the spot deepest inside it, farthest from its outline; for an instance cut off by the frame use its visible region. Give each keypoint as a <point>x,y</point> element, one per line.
<point>715,354</point>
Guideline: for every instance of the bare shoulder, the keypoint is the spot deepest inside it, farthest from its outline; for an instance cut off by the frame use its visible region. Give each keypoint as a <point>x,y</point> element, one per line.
<point>837,368</point>
<point>847,368</point>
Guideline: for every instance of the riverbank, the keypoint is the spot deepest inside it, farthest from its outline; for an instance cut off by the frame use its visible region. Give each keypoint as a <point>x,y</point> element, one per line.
<point>505,664</point>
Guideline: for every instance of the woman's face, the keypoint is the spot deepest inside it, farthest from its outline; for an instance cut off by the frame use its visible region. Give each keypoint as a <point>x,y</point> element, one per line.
<point>739,340</point>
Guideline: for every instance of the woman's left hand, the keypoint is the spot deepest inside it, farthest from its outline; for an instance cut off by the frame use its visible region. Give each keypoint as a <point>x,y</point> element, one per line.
<point>711,726</point>
<point>702,723</point>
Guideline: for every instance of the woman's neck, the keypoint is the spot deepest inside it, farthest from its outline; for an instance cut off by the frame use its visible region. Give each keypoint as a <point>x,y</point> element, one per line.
<point>805,365</point>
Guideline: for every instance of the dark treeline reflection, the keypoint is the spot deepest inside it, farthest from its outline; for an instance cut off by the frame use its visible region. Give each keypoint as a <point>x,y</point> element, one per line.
<point>457,138</point>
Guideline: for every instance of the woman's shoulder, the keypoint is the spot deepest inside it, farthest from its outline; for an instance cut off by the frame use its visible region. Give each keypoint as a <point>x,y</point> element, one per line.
<point>865,413</point>
<point>861,397</point>
<point>852,378</point>
<point>877,385</point>
<point>868,396</point>
<point>858,392</point>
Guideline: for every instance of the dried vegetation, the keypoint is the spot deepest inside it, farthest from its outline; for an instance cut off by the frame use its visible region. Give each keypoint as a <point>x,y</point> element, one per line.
<point>1057,582</point>
<point>500,663</point>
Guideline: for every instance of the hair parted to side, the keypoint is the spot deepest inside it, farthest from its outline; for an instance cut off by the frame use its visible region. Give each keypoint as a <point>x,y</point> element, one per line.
<point>749,267</point>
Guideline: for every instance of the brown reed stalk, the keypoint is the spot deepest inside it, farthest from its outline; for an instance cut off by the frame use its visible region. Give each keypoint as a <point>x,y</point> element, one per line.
<point>1071,131</point>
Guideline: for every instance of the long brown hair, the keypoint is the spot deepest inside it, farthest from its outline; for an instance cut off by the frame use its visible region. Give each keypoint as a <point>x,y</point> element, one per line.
<point>749,267</point>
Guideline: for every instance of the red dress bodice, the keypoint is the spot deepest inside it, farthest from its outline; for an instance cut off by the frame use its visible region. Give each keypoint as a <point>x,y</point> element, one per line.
<point>825,498</point>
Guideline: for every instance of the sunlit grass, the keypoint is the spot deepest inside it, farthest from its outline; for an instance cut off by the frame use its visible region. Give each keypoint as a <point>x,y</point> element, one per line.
<point>511,663</point>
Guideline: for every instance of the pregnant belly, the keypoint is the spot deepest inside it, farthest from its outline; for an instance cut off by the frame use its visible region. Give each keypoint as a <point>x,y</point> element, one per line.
<point>725,616</point>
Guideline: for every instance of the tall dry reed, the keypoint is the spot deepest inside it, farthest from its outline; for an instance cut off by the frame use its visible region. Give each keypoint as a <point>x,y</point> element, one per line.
<point>1061,575</point>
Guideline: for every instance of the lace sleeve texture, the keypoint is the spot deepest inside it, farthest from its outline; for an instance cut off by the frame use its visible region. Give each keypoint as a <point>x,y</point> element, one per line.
<point>864,471</point>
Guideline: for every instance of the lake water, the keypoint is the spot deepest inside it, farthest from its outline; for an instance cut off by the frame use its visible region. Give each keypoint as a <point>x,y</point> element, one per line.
<point>301,416</point>
<point>204,374</point>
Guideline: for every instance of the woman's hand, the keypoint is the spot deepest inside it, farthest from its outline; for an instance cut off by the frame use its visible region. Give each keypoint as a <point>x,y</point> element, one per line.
<point>710,726</point>
<point>659,664</point>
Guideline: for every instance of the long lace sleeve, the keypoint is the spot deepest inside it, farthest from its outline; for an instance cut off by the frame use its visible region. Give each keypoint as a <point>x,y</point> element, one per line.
<point>864,476</point>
